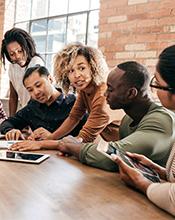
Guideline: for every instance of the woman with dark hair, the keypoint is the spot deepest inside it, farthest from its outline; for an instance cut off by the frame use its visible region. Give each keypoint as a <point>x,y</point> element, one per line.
<point>163,193</point>
<point>19,49</point>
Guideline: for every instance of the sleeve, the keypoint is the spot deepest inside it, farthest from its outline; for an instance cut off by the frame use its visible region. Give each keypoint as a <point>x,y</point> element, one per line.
<point>153,137</point>
<point>78,109</point>
<point>3,115</point>
<point>163,195</point>
<point>97,120</point>
<point>19,121</point>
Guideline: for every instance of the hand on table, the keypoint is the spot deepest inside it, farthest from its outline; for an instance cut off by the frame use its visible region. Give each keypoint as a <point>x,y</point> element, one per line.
<point>26,146</point>
<point>40,134</point>
<point>14,134</point>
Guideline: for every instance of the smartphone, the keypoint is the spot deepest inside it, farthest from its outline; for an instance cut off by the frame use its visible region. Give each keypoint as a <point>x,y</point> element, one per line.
<point>146,171</point>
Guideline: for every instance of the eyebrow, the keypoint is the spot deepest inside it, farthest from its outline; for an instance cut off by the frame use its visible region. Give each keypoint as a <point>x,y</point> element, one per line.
<point>80,63</point>
<point>33,84</point>
<point>18,48</point>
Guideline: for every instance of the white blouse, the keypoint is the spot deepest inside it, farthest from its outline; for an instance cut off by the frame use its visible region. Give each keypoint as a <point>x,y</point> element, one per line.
<point>163,194</point>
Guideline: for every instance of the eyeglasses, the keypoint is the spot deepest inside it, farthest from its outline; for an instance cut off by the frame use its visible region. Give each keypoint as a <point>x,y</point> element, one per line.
<point>154,84</point>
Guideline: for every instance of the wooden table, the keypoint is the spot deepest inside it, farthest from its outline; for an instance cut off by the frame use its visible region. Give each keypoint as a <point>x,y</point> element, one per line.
<point>63,189</point>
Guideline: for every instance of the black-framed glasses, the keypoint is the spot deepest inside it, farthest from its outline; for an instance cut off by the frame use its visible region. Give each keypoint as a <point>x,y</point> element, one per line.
<point>154,84</point>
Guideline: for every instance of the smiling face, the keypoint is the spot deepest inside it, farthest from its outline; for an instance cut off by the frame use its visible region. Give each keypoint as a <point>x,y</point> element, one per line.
<point>80,73</point>
<point>39,87</point>
<point>16,53</point>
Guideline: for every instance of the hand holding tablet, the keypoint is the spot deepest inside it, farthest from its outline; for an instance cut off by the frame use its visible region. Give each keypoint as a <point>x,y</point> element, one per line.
<point>146,171</point>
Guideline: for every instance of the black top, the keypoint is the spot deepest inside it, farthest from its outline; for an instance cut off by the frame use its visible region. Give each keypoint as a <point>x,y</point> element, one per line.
<point>36,115</point>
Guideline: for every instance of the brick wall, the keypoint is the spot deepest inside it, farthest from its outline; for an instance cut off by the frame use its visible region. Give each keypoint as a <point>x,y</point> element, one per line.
<point>2,6</point>
<point>136,30</point>
<point>6,23</point>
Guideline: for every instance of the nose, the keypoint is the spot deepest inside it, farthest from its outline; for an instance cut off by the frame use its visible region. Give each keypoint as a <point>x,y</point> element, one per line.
<point>17,56</point>
<point>35,92</point>
<point>76,74</point>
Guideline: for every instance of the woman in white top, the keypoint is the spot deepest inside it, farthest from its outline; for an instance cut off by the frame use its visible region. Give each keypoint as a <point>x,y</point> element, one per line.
<point>19,49</point>
<point>162,194</point>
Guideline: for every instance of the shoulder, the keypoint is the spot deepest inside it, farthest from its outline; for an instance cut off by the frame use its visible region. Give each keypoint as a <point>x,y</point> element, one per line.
<point>159,112</point>
<point>100,92</point>
<point>36,60</point>
<point>159,118</point>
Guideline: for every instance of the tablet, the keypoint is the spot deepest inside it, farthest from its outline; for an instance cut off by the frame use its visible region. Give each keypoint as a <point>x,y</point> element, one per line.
<point>22,156</point>
<point>112,148</point>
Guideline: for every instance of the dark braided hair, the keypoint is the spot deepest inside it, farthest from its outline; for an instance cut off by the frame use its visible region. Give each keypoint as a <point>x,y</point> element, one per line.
<point>23,39</point>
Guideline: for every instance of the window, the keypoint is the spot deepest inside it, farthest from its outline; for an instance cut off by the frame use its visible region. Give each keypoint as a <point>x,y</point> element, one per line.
<point>54,23</point>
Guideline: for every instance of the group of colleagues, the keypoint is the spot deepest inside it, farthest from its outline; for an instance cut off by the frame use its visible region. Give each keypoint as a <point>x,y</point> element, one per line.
<point>60,120</point>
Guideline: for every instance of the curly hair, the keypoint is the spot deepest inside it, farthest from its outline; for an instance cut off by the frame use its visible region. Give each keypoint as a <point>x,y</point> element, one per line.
<point>23,39</point>
<point>64,60</point>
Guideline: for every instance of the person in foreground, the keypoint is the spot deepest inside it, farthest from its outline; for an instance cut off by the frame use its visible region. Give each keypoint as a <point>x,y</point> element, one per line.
<point>147,127</point>
<point>19,49</point>
<point>83,68</point>
<point>48,107</point>
<point>162,194</point>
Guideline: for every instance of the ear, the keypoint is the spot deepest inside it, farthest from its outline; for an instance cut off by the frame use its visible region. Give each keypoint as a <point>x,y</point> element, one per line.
<point>132,93</point>
<point>50,78</point>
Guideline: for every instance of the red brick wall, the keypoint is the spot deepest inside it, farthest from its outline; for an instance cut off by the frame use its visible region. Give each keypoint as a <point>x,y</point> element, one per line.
<point>136,30</point>
<point>2,7</point>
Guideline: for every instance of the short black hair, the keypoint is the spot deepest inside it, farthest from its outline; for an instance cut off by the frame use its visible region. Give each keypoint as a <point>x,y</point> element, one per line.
<point>135,75</point>
<point>42,70</point>
<point>24,39</point>
<point>166,65</point>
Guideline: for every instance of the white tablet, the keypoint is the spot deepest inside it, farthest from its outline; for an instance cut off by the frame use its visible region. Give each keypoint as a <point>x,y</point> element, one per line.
<point>25,157</point>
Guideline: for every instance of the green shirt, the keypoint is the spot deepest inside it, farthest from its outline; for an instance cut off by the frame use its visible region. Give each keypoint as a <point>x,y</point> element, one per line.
<point>153,136</point>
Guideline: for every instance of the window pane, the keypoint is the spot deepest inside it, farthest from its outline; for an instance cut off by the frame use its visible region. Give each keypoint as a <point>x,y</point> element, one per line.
<point>76,28</point>
<point>95,4</point>
<point>58,7</point>
<point>23,9</point>
<point>38,32</point>
<point>39,9</point>
<point>93,28</point>
<point>56,34</point>
<point>49,62</point>
<point>23,25</point>
<point>78,5</point>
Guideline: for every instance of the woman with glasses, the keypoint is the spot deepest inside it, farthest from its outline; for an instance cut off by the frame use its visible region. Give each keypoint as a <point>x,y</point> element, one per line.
<point>162,194</point>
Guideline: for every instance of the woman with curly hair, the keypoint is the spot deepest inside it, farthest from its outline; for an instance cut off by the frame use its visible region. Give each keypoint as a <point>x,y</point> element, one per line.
<point>84,69</point>
<point>19,49</point>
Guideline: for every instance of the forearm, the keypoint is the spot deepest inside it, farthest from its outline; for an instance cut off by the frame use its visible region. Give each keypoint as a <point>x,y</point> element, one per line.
<point>163,195</point>
<point>48,144</point>
<point>5,127</point>
<point>61,145</point>
<point>12,106</point>
<point>67,126</point>
<point>13,100</point>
